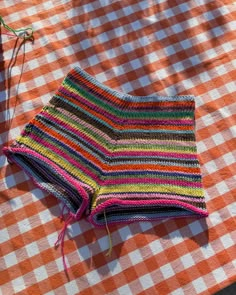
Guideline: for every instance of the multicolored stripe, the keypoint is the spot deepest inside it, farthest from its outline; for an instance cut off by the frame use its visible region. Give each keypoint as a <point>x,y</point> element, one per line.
<point>99,150</point>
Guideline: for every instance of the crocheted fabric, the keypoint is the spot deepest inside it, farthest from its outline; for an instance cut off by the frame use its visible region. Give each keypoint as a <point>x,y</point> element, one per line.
<point>99,150</point>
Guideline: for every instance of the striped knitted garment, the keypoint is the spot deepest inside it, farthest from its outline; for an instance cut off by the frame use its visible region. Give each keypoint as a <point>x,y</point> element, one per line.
<point>101,151</point>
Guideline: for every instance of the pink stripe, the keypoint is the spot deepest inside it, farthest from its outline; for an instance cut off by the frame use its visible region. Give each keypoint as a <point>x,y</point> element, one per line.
<point>141,196</point>
<point>156,181</point>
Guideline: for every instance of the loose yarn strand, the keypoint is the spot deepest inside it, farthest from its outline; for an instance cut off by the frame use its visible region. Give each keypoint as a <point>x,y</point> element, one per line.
<point>26,33</point>
<point>109,236</point>
<point>61,238</point>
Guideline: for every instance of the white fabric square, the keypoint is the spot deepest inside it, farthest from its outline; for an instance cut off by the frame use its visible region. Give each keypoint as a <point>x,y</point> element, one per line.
<point>61,35</point>
<point>175,237</point>
<point>93,277</point>
<point>211,53</point>
<point>204,77</point>
<point>16,203</point>
<point>219,275</point>
<point>103,37</point>
<point>218,138</point>
<point>201,147</point>
<point>135,257</point>
<point>4,236</point>
<point>75,229</point>
<point>128,10</point>
<point>162,73</point>
<point>32,249</point>
<point>111,16</point>
<point>231,86</point>
<point>187,260</point>
<point>71,288</point>
<point>214,93</point>
<point>127,47</point>
<point>136,64</point>
<point>95,22</point>
<point>59,262</point>
<point>57,74</point>
<point>215,218</point>
<point>136,25</point>
<point>183,7</point>
<point>152,57</point>
<point>144,41</point>
<point>18,284</point>
<point>111,53</point>
<point>192,22</point>
<point>208,15</point>
<point>167,271</point>
<point>24,225</point>
<point>84,252</point>
<point>168,12</point>
<point>221,70</point>
<point>188,84</point>
<point>232,208</point>
<point>101,77</point>
<point>203,37</point>
<point>169,50</point>
<point>144,81</point>
<point>40,273</point>
<point>208,251</point>
<point>225,112</point>
<point>160,34</point>
<point>199,285</point>
<point>178,291</point>
<point>156,247</point>
<point>195,227</point>
<point>93,60</point>
<point>208,120</point>
<point>120,31</point>
<point>88,7</point>
<point>227,47</point>
<point>146,281</point>
<point>186,44</point>
<point>178,66</point>
<point>227,241</point>
<point>177,28</point>
<point>10,259</point>
<point>195,60</point>
<point>45,216</point>
<point>124,290</point>
<point>115,267</point>
<point>229,158</point>
<point>222,187</point>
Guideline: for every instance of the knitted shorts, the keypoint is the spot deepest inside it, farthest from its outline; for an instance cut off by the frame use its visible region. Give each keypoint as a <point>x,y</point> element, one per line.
<point>99,151</point>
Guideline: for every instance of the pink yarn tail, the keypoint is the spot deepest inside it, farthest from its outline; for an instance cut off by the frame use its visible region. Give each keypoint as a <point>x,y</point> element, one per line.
<point>61,238</point>
<point>62,211</point>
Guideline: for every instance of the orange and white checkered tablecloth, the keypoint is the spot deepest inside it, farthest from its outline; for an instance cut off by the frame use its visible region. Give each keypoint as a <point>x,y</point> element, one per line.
<point>141,47</point>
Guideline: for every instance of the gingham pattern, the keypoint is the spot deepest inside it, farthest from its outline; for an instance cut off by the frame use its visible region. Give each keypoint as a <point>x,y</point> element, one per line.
<point>138,47</point>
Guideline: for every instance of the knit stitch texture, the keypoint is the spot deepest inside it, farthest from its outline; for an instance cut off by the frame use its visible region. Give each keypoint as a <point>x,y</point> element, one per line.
<point>98,149</point>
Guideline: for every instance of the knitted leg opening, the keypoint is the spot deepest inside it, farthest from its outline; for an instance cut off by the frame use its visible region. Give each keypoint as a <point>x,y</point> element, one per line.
<point>126,211</point>
<point>51,178</point>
